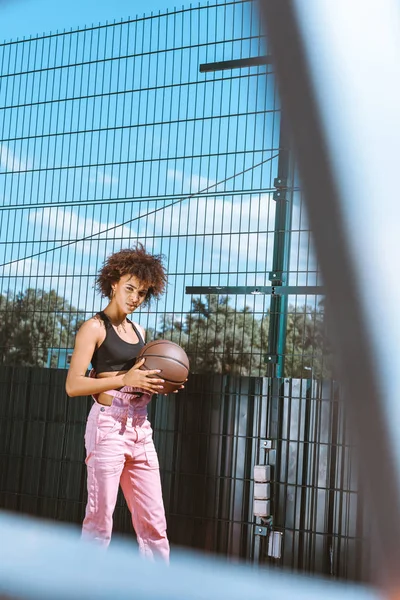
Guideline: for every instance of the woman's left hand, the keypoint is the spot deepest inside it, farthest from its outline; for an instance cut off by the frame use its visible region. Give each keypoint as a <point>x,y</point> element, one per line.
<point>176,391</point>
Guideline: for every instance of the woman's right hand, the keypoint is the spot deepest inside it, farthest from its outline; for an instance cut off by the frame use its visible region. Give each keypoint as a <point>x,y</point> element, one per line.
<point>146,380</point>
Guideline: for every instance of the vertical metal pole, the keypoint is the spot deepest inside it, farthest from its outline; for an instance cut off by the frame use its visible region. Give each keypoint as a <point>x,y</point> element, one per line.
<point>278,276</point>
<point>281,252</point>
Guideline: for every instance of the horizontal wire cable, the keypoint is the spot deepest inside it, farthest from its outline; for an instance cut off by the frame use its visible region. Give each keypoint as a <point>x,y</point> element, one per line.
<point>124,200</point>
<point>152,212</point>
<point>138,90</point>
<point>137,125</point>
<point>137,19</point>
<point>134,162</point>
<point>127,57</point>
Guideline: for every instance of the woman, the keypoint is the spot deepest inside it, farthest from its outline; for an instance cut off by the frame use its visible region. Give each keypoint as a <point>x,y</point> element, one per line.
<point>118,438</point>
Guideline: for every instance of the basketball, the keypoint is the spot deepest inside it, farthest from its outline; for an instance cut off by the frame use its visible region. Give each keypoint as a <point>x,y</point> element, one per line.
<point>170,358</point>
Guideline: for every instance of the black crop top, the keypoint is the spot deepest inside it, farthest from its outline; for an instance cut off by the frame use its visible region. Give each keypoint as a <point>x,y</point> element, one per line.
<point>114,354</point>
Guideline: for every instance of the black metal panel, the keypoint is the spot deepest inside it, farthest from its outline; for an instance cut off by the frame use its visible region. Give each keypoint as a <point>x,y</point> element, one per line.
<point>240,63</point>
<point>208,439</point>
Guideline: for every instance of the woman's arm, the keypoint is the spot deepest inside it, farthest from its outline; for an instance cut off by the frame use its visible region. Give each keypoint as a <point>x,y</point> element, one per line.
<point>142,331</point>
<point>77,383</point>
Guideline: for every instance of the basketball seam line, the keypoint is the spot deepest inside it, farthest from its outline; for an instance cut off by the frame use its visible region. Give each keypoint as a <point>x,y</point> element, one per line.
<point>167,357</point>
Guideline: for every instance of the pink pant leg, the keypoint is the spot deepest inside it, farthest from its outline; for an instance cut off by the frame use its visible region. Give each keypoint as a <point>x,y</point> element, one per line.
<point>105,461</point>
<point>141,485</point>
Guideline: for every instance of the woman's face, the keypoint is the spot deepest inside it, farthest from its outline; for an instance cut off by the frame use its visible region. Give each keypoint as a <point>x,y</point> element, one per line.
<point>129,293</point>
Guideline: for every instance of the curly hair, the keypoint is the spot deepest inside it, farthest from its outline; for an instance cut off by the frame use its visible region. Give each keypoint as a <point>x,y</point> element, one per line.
<point>148,268</point>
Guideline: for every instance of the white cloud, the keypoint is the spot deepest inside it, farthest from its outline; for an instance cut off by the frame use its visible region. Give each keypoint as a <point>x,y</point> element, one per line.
<point>41,266</point>
<point>206,215</point>
<point>103,178</point>
<point>199,183</point>
<point>242,226</point>
<point>190,184</point>
<point>9,161</point>
<point>20,268</point>
<point>66,224</point>
<point>223,232</point>
<point>234,221</point>
<point>230,219</point>
<point>175,175</point>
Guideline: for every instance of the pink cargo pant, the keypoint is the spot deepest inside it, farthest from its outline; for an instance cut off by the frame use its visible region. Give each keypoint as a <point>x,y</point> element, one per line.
<point>120,451</point>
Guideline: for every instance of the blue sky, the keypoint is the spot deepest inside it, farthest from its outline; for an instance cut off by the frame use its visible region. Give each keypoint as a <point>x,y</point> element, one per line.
<point>19,18</point>
<point>102,161</point>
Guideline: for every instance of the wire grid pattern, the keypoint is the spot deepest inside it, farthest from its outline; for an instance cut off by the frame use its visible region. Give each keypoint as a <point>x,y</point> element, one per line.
<point>317,499</point>
<point>208,439</point>
<point>308,353</point>
<point>110,135</point>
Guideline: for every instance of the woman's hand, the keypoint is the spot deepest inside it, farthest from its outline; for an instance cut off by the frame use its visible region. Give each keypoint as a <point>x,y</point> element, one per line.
<point>145,380</point>
<point>176,391</point>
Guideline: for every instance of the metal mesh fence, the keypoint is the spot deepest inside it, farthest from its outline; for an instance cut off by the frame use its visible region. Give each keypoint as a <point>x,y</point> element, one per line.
<point>167,129</point>
<point>112,134</point>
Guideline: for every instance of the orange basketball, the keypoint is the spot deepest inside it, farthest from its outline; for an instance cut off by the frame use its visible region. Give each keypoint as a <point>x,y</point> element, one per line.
<point>172,361</point>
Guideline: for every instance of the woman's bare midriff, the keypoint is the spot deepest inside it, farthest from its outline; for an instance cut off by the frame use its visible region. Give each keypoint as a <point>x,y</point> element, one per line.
<point>104,398</point>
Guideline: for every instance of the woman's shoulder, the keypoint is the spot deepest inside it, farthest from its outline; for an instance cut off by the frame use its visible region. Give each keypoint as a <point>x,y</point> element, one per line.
<point>139,327</point>
<point>93,325</point>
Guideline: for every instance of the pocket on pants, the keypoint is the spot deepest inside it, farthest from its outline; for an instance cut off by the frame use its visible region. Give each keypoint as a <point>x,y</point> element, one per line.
<point>106,425</point>
<point>98,428</point>
<point>90,436</point>
<point>151,453</point>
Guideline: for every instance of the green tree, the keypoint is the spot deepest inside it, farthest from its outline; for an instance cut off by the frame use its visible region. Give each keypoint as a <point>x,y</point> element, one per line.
<point>218,338</point>
<point>32,322</point>
<point>308,351</point>
<point>221,339</point>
